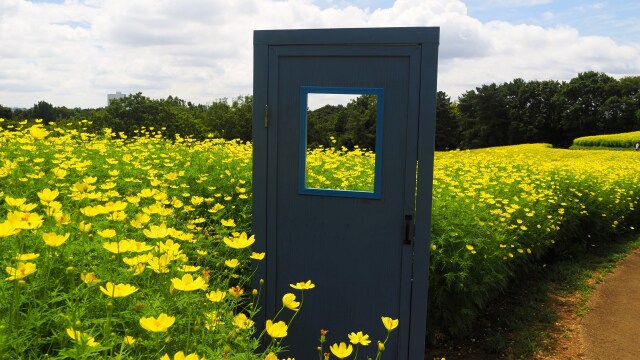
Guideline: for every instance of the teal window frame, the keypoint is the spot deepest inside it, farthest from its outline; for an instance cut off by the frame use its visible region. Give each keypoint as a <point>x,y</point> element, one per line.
<point>302,169</point>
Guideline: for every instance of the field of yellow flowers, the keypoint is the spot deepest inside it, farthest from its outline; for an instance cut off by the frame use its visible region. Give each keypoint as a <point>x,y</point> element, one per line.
<point>130,248</point>
<point>622,140</point>
<point>497,212</point>
<point>140,247</point>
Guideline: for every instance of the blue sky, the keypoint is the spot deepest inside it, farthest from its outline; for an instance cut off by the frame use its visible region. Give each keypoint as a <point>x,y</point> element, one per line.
<point>73,53</point>
<point>618,19</point>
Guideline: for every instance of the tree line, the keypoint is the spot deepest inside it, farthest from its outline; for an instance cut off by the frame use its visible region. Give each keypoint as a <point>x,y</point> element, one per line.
<point>491,115</point>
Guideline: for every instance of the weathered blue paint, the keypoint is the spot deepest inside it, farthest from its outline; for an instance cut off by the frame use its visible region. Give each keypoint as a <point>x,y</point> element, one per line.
<point>302,188</point>
<point>354,249</point>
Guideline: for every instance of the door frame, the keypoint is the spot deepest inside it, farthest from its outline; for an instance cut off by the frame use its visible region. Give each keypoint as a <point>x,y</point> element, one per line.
<point>428,39</point>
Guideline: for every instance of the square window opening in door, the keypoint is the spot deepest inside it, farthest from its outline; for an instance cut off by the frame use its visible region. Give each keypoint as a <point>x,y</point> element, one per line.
<point>341,141</point>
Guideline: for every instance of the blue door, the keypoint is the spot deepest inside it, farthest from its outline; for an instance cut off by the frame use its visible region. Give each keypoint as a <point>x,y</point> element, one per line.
<point>356,242</point>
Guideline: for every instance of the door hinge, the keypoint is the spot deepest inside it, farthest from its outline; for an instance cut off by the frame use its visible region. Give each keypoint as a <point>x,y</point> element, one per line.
<point>409,229</point>
<point>266,116</point>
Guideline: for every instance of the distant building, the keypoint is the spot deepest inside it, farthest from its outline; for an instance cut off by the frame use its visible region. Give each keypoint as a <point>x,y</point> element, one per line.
<point>117,95</point>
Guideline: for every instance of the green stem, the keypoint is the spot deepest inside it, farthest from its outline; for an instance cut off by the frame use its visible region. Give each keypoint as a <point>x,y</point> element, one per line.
<point>379,354</point>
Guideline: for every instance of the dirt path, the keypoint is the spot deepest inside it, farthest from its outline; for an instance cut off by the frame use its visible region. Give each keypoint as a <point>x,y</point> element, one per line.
<point>611,329</point>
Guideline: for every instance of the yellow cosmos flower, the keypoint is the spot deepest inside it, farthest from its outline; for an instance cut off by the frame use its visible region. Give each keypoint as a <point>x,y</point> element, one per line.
<point>289,301</point>
<point>21,271</point>
<point>159,324</point>
<point>137,269</point>
<point>236,291</point>
<point>53,239</point>
<point>257,256</point>
<point>271,356</point>
<point>48,195</point>
<point>139,246</point>
<point>59,173</point>
<point>187,283</point>
<point>25,220</point>
<point>156,232</point>
<point>216,295</point>
<point>217,207</point>
<point>119,247</point>
<point>242,321</point>
<point>228,223</point>
<point>169,247</point>
<point>14,202</point>
<point>159,264</point>
<point>146,193</point>
<point>232,263</point>
<point>389,323</point>
<point>240,242</point>
<point>139,259</point>
<point>189,268</point>
<point>359,338</point>
<point>303,285</point>
<point>61,218</point>
<point>117,216</point>
<point>29,207</point>
<point>82,338</point>
<point>119,290</point>
<point>37,132</point>
<point>89,278</point>
<point>181,356</point>
<point>277,330</point>
<point>107,233</point>
<point>25,257</point>
<point>84,227</point>
<point>129,340</point>
<point>90,211</point>
<point>7,229</point>
<point>341,351</point>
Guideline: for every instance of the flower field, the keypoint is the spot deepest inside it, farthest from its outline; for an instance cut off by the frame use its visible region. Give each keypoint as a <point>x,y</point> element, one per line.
<point>500,211</point>
<point>140,247</point>
<point>131,248</point>
<point>623,140</point>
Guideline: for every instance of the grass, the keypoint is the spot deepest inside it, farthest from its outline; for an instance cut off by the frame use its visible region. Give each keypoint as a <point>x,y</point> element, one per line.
<point>523,321</point>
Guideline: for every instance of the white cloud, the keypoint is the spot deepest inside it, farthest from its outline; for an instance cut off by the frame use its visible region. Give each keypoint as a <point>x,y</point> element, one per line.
<point>75,53</point>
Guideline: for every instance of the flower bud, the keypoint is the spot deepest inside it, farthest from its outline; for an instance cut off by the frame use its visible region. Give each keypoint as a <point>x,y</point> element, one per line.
<point>380,346</point>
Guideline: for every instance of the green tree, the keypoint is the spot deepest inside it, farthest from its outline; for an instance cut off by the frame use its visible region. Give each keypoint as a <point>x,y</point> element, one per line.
<point>45,111</point>
<point>360,126</point>
<point>583,99</point>
<point>6,113</point>
<point>484,118</point>
<point>447,123</point>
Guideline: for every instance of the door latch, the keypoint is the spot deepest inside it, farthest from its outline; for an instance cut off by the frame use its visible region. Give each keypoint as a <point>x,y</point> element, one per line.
<point>409,229</point>
<point>266,116</point>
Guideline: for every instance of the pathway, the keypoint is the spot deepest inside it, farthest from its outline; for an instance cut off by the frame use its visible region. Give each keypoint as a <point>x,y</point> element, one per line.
<point>611,329</point>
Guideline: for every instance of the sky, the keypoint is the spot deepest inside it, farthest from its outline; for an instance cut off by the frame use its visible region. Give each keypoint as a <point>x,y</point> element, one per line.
<point>74,52</point>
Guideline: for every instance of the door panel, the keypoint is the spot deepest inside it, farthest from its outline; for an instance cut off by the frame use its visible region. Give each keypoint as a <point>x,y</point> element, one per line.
<point>352,248</point>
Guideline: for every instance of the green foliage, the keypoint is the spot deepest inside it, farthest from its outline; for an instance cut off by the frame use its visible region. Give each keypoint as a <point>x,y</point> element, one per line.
<point>618,141</point>
<point>548,111</point>
<point>448,134</point>
<point>499,213</point>
<point>350,126</point>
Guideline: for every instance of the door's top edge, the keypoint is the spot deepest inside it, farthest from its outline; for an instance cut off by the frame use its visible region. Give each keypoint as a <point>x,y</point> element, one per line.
<point>348,36</point>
